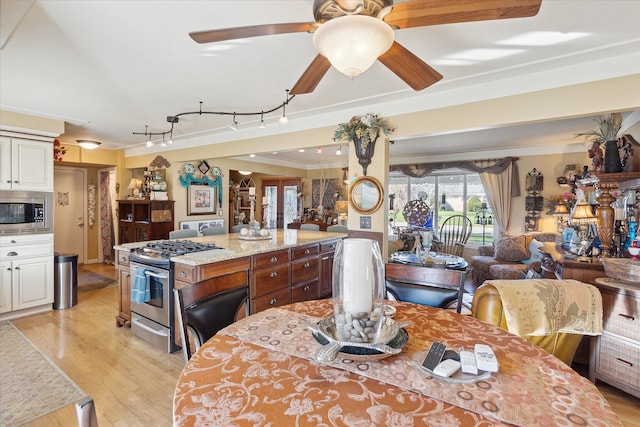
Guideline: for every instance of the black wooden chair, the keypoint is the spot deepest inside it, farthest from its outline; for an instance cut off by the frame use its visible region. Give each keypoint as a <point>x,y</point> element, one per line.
<point>435,287</point>
<point>454,233</point>
<point>205,308</point>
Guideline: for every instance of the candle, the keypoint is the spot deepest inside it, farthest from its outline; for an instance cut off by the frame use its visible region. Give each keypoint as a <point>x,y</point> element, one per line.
<point>252,191</point>
<point>358,276</point>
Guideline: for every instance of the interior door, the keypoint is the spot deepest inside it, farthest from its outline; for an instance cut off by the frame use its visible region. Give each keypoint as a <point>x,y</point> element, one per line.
<point>70,210</point>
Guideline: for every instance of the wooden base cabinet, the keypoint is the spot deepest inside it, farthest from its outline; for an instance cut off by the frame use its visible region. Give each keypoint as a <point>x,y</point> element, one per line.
<point>124,281</point>
<point>142,220</point>
<point>615,355</point>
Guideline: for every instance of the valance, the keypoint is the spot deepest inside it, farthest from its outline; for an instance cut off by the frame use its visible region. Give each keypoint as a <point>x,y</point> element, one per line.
<point>495,166</point>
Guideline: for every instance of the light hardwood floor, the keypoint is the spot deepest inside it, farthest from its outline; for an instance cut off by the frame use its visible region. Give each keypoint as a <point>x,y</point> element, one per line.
<point>132,382</point>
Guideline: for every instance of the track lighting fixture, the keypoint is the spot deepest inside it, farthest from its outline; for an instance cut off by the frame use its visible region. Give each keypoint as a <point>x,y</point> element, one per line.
<point>339,151</point>
<point>283,119</point>
<point>175,119</point>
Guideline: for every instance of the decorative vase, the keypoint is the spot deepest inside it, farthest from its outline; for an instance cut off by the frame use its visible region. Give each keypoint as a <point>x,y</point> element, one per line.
<point>364,151</point>
<point>612,162</point>
<point>358,290</point>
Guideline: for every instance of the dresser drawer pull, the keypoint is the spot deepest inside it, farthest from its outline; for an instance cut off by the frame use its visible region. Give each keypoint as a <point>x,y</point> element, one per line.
<point>183,274</point>
<point>625,362</point>
<point>123,259</point>
<point>626,316</point>
<point>306,265</point>
<point>307,251</point>
<point>273,301</point>
<point>306,288</point>
<point>273,274</point>
<point>274,259</point>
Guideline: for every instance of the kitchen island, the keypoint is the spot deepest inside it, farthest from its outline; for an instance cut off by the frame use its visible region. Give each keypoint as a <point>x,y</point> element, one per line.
<point>291,266</point>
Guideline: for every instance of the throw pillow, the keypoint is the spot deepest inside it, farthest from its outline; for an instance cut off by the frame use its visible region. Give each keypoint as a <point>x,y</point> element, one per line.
<point>511,248</point>
<point>535,254</point>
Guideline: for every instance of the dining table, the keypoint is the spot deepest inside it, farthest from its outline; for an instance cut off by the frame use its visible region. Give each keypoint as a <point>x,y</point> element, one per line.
<point>262,371</point>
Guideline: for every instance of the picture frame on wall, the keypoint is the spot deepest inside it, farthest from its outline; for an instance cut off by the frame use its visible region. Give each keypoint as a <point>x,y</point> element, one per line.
<point>201,200</point>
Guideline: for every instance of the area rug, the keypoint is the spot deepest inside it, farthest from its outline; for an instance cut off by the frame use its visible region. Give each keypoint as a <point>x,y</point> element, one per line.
<point>30,385</point>
<point>90,281</point>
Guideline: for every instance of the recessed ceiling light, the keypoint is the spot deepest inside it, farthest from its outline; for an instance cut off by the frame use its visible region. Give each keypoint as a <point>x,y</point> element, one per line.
<point>252,155</point>
<point>483,54</point>
<point>542,38</point>
<point>300,150</point>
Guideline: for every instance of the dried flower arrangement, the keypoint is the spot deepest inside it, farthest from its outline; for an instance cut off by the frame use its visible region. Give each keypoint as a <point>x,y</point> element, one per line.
<point>58,150</point>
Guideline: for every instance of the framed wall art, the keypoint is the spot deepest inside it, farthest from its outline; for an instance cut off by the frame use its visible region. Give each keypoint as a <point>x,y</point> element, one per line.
<point>201,200</point>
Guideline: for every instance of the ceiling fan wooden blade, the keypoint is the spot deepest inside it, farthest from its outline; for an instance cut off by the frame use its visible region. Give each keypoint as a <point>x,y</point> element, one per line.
<point>420,13</point>
<point>211,36</point>
<point>413,70</point>
<point>311,76</point>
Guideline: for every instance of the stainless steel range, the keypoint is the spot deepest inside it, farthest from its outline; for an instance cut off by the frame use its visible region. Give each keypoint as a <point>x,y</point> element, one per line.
<point>153,320</point>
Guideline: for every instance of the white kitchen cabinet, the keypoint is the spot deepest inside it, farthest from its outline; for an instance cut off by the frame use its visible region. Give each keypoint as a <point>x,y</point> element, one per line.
<point>26,274</point>
<point>26,165</point>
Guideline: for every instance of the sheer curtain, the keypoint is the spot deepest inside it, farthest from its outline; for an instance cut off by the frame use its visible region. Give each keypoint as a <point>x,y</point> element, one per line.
<point>499,178</point>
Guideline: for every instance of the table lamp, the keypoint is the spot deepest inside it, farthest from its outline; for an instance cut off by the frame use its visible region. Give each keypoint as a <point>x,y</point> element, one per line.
<point>134,185</point>
<point>561,212</point>
<point>582,215</point>
<point>340,207</point>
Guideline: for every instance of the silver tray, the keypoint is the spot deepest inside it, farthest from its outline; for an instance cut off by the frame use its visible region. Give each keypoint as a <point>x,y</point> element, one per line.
<point>393,338</point>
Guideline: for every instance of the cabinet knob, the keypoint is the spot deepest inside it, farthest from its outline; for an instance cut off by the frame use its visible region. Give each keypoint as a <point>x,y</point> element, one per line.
<point>8,181</point>
<point>17,268</point>
<point>16,182</point>
<point>14,241</point>
<point>306,265</point>
<point>183,274</point>
<point>274,259</point>
<point>307,251</point>
<point>273,301</point>
<point>306,288</point>
<point>273,274</point>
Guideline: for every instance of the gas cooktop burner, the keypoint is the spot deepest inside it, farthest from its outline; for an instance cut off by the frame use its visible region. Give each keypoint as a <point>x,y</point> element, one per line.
<point>169,248</point>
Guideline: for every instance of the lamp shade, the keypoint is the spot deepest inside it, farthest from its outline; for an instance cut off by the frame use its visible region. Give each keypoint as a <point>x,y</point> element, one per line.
<point>560,210</point>
<point>88,144</point>
<point>352,43</point>
<point>582,214</point>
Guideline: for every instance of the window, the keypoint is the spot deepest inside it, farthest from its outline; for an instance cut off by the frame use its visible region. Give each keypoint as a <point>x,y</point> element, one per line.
<point>446,193</point>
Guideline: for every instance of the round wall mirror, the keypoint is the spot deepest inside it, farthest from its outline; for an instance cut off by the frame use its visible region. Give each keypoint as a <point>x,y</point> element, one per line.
<point>365,194</point>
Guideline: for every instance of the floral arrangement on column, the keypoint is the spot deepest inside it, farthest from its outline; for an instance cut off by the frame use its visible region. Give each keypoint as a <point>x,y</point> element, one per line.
<point>363,131</point>
<point>92,204</point>
<point>58,150</point>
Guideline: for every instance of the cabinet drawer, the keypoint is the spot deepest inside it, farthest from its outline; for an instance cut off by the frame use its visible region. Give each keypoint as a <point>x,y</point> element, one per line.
<point>268,280</point>
<point>274,299</point>
<point>123,257</point>
<point>26,251</point>
<point>32,239</point>
<point>620,359</point>
<point>186,273</point>
<point>328,246</point>
<point>270,259</point>
<point>304,251</point>
<point>305,269</point>
<point>305,291</point>
<point>621,315</point>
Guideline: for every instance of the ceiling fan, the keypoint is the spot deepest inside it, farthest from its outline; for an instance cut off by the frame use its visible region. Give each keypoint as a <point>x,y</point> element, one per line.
<point>352,34</point>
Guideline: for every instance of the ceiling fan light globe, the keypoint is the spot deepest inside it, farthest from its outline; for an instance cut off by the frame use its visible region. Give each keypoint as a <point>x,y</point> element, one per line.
<point>352,43</point>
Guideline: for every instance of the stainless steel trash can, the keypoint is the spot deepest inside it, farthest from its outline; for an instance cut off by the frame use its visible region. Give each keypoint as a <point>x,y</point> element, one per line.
<point>65,280</point>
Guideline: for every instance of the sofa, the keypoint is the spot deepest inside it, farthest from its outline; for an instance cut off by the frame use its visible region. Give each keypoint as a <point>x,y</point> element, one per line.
<point>510,257</point>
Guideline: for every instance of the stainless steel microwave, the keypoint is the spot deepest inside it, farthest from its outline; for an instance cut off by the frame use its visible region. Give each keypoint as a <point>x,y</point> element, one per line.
<point>26,212</point>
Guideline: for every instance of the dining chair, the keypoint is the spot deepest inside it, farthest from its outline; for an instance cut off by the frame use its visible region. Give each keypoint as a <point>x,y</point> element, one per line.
<point>212,231</point>
<point>86,412</point>
<point>487,305</point>
<point>454,233</point>
<point>205,308</point>
<point>237,228</point>
<point>337,229</point>
<point>311,227</point>
<point>183,234</point>
<point>435,287</point>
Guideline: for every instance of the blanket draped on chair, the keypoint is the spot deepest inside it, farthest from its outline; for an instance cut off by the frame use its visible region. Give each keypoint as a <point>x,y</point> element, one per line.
<point>540,307</point>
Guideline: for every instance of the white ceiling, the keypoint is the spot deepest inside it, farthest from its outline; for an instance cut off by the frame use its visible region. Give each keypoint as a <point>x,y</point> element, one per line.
<point>110,68</point>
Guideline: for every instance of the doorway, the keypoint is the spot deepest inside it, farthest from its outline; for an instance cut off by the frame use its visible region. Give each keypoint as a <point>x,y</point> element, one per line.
<point>70,232</point>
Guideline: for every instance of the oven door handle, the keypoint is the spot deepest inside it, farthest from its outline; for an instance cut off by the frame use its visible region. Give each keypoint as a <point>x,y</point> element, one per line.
<point>160,276</point>
<point>148,329</point>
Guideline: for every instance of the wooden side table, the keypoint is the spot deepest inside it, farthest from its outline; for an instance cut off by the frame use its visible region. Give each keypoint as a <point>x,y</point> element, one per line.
<point>586,272</point>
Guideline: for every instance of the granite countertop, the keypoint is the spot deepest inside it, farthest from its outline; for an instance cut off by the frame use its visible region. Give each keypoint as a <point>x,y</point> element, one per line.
<point>234,247</point>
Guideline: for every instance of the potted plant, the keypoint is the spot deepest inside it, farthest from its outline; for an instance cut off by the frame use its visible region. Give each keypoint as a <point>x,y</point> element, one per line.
<point>364,132</point>
<point>606,133</point>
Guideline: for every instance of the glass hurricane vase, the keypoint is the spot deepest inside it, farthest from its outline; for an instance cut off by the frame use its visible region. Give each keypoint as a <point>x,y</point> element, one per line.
<point>358,290</point>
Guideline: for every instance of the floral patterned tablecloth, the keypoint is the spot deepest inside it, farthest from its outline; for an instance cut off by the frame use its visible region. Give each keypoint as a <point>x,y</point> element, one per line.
<point>260,371</point>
